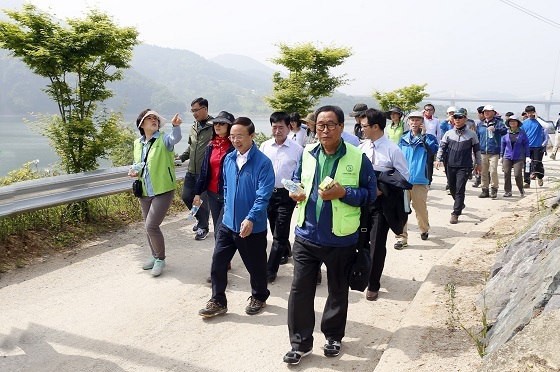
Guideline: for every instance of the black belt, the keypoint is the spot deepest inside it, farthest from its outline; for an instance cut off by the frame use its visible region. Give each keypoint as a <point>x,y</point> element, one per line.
<point>280,190</point>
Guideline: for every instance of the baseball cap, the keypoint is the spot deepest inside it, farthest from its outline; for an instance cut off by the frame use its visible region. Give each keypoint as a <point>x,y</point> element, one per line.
<point>488,108</point>
<point>460,112</point>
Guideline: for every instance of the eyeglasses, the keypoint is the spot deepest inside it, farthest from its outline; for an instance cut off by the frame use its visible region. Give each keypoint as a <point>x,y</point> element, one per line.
<point>219,123</point>
<point>428,109</point>
<point>237,137</point>
<point>458,117</point>
<point>197,110</point>
<point>330,126</point>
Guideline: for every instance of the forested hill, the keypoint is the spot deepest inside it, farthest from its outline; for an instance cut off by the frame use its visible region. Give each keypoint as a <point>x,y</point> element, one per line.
<point>161,78</point>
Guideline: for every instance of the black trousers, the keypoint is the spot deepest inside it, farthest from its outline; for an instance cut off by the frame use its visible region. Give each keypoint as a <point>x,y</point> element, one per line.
<point>279,211</point>
<point>536,155</point>
<point>378,247</point>
<point>252,250</point>
<point>301,313</point>
<point>457,179</point>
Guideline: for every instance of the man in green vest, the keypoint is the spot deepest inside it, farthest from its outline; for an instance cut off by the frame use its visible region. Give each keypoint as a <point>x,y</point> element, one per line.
<point>327,232</point>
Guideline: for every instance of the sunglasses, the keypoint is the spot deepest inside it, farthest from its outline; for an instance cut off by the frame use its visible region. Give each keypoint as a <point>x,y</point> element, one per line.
<point>219,123</point>
<point>458,117</point>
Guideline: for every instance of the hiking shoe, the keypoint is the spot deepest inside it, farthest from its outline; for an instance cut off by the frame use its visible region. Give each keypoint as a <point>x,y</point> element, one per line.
<point>484,193</point>
<point>255,306</point>
<point>527,185</point>
<point>424,236</point>
<point>540,182</point>
<point>476,183</point>
<point>201,234</point>
<point>507,194</point>
<point>400,245</point>
<point>553,156</point>
<point>149,264</point>
<point>284,260</point>
<point>158,267</point>
<point>294,356</point>
<point>454,219</point>
<point>212,309</point>
<point>195,226</point>
<point>448,192</point>
<point>493,193</point>
<point>331,348</point>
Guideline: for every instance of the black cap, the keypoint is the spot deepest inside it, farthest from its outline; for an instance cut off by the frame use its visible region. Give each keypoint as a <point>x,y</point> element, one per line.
<point>358,109</point>
<point>223,117</point>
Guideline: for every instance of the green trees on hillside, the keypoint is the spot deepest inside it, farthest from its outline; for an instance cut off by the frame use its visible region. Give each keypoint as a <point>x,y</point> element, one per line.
<point>79,59</point>
<point>407,98</point>
<point>309,78</point>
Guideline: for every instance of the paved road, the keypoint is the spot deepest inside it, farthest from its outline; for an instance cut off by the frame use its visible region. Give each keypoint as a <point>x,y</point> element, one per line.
<point>95,309</point>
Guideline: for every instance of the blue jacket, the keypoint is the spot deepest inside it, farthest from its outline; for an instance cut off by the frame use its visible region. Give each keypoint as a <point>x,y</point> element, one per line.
<point>520,150</point>
<point>247,190</point>
<point>415,151</point>
<point>534,132</point>
<point>320,232</point>
<point>201,184</point>
<point>490,145</point>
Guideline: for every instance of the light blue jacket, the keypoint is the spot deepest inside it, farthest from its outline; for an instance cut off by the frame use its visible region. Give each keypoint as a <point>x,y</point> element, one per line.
<point>415,150</point>
<point>247,190</point>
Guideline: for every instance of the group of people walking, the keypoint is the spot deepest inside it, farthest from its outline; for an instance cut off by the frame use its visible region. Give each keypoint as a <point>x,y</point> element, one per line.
<point>380,172</point>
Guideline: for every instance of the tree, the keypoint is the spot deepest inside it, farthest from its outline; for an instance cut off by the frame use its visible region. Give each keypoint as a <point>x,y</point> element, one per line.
<point>308,79</point>
<point>79,59</point>
<point>407,98</point>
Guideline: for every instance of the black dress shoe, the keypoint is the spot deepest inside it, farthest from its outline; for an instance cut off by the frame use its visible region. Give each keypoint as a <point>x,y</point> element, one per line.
<point>284,260</point>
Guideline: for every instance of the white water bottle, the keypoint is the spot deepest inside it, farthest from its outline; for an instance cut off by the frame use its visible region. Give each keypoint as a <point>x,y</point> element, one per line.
<point>292,187</point>
<point>193,211</point>
<point>527,165</point>
<point>490,133</point>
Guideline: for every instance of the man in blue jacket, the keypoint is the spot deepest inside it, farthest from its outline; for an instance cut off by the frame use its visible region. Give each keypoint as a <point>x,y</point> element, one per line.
<point>248,184</point>
<point>534,129</point>
<point>327,231</point>
<point>490,132</point>
<point>418,148</point>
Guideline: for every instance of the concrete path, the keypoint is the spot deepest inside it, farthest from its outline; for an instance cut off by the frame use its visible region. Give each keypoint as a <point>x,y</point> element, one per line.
<point>95,309</point>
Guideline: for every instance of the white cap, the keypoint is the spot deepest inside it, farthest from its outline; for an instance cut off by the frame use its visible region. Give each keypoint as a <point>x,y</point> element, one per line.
<point>488,108</point>
<point>451,109</point>
<point>151,112</point>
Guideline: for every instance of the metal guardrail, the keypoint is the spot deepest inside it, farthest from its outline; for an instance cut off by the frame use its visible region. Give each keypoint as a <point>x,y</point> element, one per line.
<point>29,196</point>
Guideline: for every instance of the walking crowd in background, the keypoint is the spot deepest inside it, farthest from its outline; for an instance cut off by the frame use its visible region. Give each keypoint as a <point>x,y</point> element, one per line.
<point>346,189</point>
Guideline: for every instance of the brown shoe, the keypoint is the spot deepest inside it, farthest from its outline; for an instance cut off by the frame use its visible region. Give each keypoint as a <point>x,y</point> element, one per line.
<point>454,219</point>
<point>372,295</point>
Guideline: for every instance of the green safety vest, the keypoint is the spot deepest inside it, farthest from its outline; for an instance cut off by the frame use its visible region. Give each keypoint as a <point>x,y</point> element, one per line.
<point>160,165</point>
<point>345,218</point>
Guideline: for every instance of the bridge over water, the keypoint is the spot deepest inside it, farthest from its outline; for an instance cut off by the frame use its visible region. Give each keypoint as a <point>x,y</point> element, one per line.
<point>518,103</point>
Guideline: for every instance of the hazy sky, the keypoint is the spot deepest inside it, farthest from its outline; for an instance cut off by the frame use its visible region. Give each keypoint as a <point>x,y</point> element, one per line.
<point>467,47</point>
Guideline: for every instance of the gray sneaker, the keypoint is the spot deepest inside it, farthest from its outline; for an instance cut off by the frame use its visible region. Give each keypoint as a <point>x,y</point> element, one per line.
<point>158,267</point>
<point>212,309</point>
<point>149,264</point>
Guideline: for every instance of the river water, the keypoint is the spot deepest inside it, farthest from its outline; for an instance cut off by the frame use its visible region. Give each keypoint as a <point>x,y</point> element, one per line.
<point>20,143</point>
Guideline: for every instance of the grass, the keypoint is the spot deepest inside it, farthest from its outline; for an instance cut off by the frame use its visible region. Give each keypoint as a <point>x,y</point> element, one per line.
<point>26,237</point>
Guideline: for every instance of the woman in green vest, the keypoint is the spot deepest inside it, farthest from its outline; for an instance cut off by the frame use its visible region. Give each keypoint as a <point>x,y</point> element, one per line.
<point>154,167</point>
<point>397,127</point>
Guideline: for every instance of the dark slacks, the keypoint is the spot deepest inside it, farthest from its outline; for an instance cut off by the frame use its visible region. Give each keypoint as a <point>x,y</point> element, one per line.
<point>378,247</point>
<point>252,250</point>
<point>301,312</point>
<point>536,155</point>
<point>279,211</point>
<point>187,195</point>
<point>517,166</point>
<point>457,179</point>
<point>216,206</point>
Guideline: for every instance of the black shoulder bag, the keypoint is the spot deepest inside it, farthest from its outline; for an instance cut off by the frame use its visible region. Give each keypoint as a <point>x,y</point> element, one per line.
<point>137,184</point>
<point>359,275</point>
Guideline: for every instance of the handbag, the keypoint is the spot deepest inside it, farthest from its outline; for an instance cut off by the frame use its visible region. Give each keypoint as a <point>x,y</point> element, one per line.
<point>361,268</point>
<point>137,188</point>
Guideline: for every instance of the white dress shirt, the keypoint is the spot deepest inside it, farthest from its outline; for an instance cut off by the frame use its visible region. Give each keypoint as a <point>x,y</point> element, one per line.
<point>385,154</point>
<point>241,159</point>
<point>298,137</point>
<point>284,158</point>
